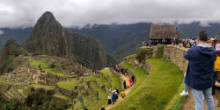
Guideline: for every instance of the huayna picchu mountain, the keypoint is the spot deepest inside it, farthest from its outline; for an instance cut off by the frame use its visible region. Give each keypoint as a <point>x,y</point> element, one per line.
<point>48,37</point>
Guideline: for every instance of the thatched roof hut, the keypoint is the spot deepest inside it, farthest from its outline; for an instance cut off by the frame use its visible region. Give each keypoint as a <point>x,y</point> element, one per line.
<point>158,31</point>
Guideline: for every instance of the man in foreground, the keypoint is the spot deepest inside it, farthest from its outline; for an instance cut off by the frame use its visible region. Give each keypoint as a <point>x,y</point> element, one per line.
<point>200,72</point>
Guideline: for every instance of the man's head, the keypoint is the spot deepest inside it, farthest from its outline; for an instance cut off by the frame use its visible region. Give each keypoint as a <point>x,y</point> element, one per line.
<point>203,37</point>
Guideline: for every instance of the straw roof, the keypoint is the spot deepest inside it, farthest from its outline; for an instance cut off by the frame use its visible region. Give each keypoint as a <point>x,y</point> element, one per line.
<point>158,31</point>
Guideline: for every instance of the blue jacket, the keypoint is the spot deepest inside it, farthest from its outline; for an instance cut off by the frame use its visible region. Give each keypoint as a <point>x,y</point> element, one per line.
<point>200,71</point>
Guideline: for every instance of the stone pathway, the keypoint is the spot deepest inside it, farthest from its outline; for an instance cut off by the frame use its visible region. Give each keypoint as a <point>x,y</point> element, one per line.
<point>189,103</point>
<point>123,77</point>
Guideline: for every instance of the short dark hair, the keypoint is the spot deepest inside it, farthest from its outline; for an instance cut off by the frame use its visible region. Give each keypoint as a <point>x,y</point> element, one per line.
<point>203,36</point>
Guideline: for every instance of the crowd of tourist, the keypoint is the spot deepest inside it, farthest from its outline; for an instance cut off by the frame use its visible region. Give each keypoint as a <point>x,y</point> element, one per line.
<point>115,93</point>
<point>189,42</point>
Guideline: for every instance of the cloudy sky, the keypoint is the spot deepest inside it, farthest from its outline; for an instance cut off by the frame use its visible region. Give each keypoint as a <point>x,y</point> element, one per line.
<point>24,13</point>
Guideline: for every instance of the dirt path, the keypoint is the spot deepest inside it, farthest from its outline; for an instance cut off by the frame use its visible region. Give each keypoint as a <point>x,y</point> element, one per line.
<point>120,98</point>
<point>189,103</point>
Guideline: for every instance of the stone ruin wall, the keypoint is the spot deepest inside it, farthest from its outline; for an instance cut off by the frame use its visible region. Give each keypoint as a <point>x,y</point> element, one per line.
<point>175,54</point>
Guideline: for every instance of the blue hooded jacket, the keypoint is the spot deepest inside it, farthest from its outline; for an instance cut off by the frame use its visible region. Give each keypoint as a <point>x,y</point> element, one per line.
<point>200,71</point>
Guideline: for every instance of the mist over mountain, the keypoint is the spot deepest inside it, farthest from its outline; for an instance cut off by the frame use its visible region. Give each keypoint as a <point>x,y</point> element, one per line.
<point>192,29</point>
<point>118,39</point>
<point>19,34</point>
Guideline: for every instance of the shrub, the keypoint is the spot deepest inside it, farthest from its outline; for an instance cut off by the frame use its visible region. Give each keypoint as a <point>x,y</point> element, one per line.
<point>143,53</point>
<point>159,51</point>
<point>52,65</point>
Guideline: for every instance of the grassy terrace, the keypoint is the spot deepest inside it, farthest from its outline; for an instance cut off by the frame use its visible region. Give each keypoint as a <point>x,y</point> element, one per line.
<point>98,80</point>
<point>44,64</point>
<point>69,85</point>
<point>43,86</point>
<point>116,81</point>
<point>155,91</point>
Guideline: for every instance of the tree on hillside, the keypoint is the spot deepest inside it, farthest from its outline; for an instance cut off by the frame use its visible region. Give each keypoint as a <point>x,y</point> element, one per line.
<point>143,53</point>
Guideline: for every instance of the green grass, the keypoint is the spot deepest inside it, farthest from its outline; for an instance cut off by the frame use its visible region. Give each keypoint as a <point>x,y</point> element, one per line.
<point>96,82</point>
<point>133,56</point>
<point>97,103</point>
<point>44,64</point>
<point>58,95</point>
<point>177,102</point>
<point>155,91</point>
<point>99,80</point>
<point>43,86</point>
<point>69,85</point>
<point>116,81</point>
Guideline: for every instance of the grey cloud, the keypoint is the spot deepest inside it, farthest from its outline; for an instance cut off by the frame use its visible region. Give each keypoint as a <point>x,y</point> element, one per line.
<point>1,32</point>
<point>23,13</point>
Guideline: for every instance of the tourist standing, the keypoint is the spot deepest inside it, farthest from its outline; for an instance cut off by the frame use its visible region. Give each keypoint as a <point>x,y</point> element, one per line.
<point>103,107</point>
<point>114,96</point>
<point>123,94</point>
<point>131,82</point>
<point>109,100</point>
<point>200,73</point>
<point>85,108</point>
<point>217,65</point>
<point>133,78</point>
<point>124,84</point>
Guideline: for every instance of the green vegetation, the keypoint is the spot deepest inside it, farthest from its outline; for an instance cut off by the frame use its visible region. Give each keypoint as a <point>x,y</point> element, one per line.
<point>97,79</point>
<point>99,84</point>
<point>159,51</point>
<point>37,86</point>
<point>177,102</point>
<point>59,95</point>
<point>116,80</point>
<point>133,56</point>
<point>143,53</point>
<point>45,65</point>
<point>155,91</point>
<point>10,51</point>
<point>69,85</point>
<point>39,99</point>
<point>93,102</point>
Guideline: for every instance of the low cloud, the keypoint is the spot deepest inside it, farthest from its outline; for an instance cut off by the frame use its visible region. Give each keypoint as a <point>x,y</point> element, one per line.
<point>81,12</point>
<point>1,32</point>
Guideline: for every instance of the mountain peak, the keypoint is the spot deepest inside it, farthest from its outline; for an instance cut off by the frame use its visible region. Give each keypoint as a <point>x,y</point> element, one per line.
<point>47,18</point>
<point>48,14</point>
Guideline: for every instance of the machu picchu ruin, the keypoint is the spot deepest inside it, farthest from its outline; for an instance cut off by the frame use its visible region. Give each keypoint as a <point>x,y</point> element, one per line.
<point>109,55</point>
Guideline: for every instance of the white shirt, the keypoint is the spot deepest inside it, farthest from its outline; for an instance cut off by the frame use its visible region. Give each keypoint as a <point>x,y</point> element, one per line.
<point>109,97</point>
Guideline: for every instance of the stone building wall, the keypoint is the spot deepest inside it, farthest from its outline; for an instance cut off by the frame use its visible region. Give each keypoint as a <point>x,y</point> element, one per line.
<point>175,54</point>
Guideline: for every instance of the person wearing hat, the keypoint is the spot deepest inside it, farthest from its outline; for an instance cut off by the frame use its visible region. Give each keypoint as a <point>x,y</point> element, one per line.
<point>123,94</point>
<point>114,96</point>
<point>103,107</point>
